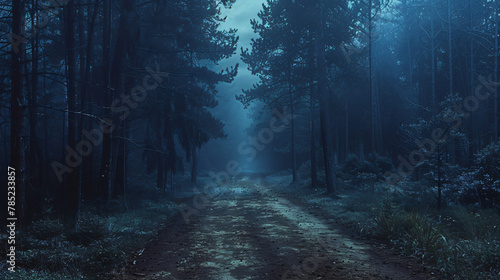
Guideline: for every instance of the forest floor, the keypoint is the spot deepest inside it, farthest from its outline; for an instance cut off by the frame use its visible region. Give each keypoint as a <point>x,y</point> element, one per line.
<point>255,230</point>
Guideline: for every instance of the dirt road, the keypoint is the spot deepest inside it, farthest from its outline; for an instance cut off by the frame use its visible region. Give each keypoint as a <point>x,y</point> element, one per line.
<point>253,232</point>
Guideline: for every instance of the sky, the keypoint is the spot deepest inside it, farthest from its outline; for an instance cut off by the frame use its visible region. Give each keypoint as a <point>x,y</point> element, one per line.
<point>230,111</point>
<point>239,16</point>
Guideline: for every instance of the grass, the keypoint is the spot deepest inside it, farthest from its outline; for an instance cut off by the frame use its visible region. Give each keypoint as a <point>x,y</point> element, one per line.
<point>463,243</point>
<point>101,247</point>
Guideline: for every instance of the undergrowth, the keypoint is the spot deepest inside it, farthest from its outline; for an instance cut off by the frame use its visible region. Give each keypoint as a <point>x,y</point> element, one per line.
<point>101,246</point>
<point>461,242</point>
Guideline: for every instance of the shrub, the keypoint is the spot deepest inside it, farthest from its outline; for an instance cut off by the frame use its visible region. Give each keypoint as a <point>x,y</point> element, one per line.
<point>364,174</point>
<point>488,176</point>
<point>382,164</point>
<point>465,239</point>
<point>413,196</point>
<point>413,232</point>
<point>477,225</point>
<point>481,185</point>
<point>390,220</point>
<point>353,165</point>
<point>364,181</point>
<point>425,235</point>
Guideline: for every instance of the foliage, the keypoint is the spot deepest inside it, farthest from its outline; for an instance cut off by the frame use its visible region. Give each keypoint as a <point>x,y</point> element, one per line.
<point>353,164</point>
<point>374,164</point>
<point>364,174</point>
<point>476,225</point>
<point>480,185</point>
<point>185,103</point>
<point>487,175</point>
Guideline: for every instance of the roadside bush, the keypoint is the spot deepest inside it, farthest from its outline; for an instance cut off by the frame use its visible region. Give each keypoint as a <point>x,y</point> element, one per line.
<point>414,196</point>
<point>353,165</point>
<point>374,164</point>
<point>364,181</point>
<point>390,219</point>
<point>480,186</point>
<point>364,174</point>
<point>425,235</point>
<point>487,175</point>
<point>453,241</point>
<point>413,232</point>
<point>382,164</point>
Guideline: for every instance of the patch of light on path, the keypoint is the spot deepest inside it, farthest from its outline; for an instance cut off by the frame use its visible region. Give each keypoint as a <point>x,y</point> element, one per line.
<point>315,230</point>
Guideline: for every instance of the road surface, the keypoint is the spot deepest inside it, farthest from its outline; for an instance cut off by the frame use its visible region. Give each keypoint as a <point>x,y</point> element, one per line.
<point>253,232</point>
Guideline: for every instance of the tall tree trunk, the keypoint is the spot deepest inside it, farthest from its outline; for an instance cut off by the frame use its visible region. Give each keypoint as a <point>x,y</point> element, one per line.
<point>172,181</point>
<point>104,172</point>
<point>292,128</point>
<point>45,123</point>
<point>119,185</point>
<point>433,58</point>
<point>35,157</point>
<point>314,173</point>
<point>160,172</point>
<point>410,70</point>
<point>346,126</point>
<point>125,160</point>
<point>473,128</point>
<point>450,54</point>
<point>496,74</point>
<point>119,181</point>
<point>326,138</point>
<point>165,177</point>
<point>160,158</point>
<point>292,125</point>
<point>81,80</point>
<point>85,99</point>
<point>194,168</point>
<point>73,178</point>
<point>378,117</point>
<point>123,44</point>
<point>17,126</point>
<point>370,73</point>
<point>63,186</point>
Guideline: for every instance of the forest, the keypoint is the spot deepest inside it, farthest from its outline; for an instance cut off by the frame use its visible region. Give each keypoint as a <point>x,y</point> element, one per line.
<point>250,139</point>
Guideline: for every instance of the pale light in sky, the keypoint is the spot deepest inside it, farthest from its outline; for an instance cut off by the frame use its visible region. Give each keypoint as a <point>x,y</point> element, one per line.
<point>239,17</point>
<point>230,111</point>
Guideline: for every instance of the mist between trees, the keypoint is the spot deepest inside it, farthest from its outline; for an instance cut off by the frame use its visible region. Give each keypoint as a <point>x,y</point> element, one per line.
<point>278,123</point>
